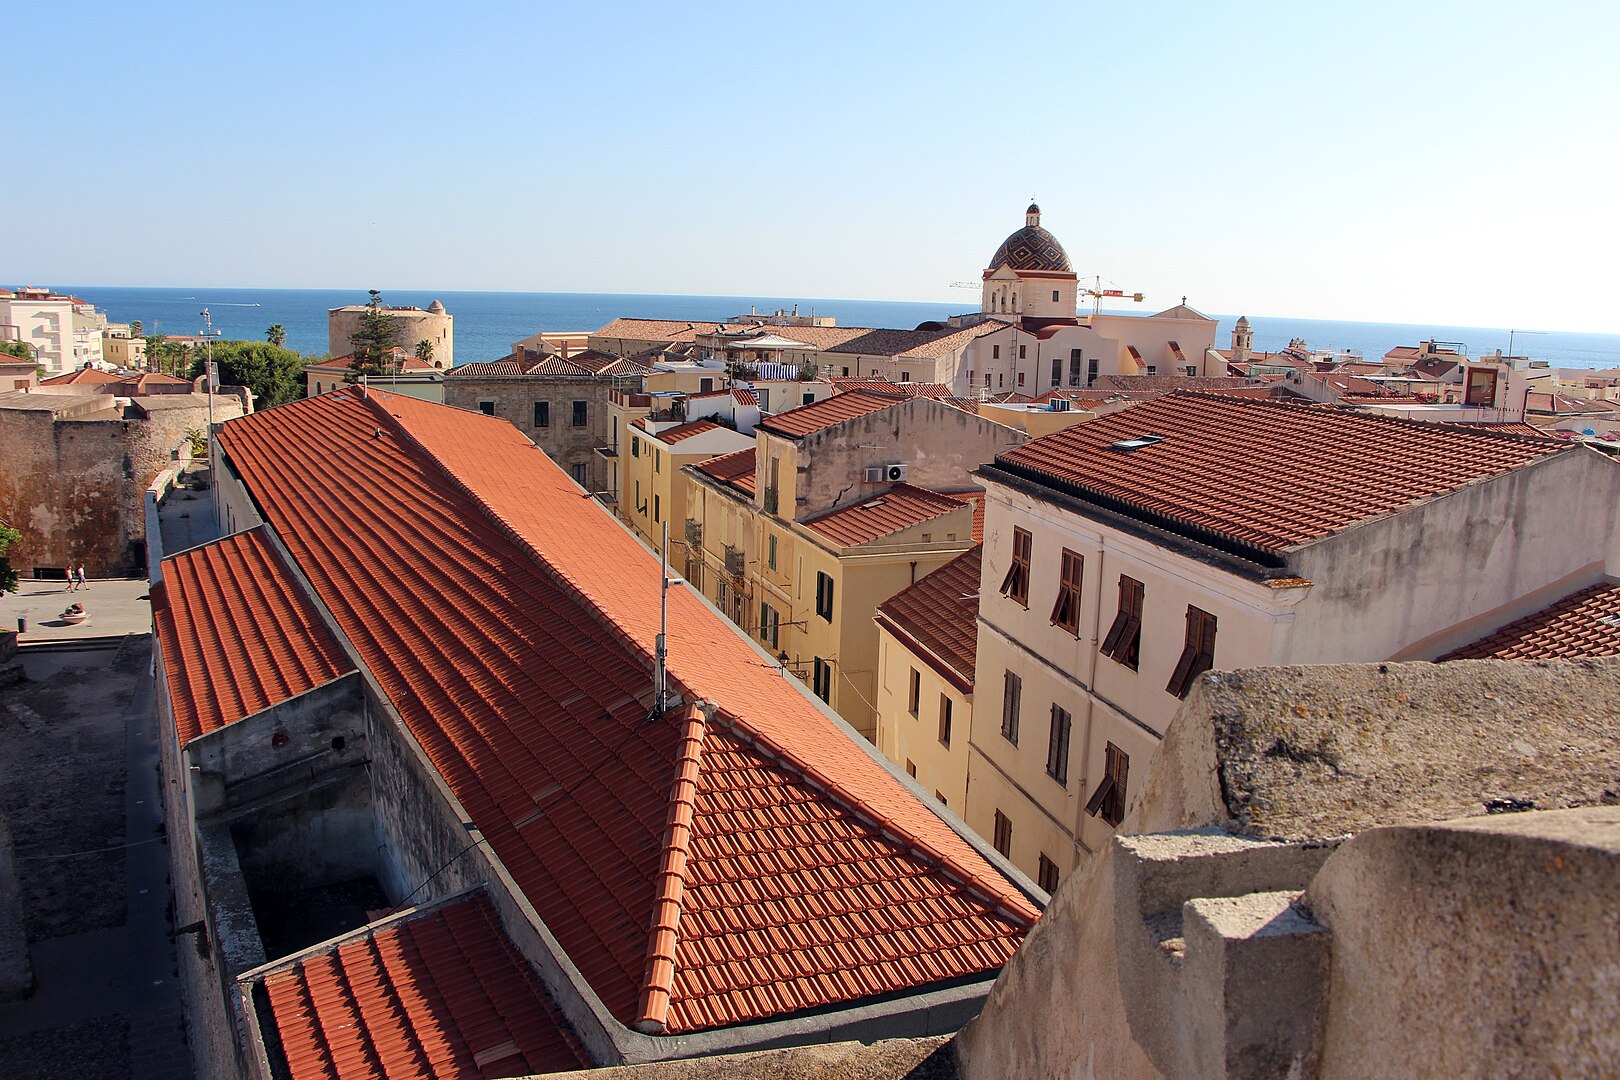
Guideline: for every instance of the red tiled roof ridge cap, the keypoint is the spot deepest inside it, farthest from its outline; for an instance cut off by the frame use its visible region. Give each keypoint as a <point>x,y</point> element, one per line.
<point>998,896</point>
<point>669,888</point>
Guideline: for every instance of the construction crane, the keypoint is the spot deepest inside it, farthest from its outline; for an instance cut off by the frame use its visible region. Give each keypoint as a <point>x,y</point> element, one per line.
<point>1097,292</point>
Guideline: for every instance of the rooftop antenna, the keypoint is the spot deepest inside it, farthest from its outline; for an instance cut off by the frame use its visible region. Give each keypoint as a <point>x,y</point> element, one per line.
<point>661,648</point>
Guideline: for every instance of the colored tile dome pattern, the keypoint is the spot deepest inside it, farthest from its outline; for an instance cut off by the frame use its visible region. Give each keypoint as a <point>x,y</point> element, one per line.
<point>1031,248</point>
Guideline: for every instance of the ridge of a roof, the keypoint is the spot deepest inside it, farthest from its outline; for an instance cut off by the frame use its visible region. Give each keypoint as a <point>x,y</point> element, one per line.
<point>819,415</point>
<point>935,616</point>
<point>857,523</point>
<point>1303,507</point>
<point>658,984</point>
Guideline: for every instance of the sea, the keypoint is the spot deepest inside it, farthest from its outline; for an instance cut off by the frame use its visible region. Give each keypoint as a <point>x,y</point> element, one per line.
<point>488,322</point>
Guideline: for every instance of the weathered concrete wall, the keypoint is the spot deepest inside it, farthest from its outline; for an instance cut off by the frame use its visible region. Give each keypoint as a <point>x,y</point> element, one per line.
<point>1392,583</point>
<point>1478,948</point>
<point>942,446</point>
<point>414,324</point>
<point>75,489</point>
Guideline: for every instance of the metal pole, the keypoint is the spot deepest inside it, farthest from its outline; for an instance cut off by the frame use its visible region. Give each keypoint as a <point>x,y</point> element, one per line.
<point>660,698</point>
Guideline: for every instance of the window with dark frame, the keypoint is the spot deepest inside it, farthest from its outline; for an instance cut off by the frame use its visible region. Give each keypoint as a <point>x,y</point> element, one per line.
<point>944,720</point>
<point>824,596</point>
<point>1047,877</point>
<point>1003,836</point>
<point>1015,586</point>
<point>914,694</point>
<point>1057,745</point>
<point>1197,655</point>
<point>580,414</point>
<point>1091,372</point>
<point>487,408</point>
<point>1109,798</point>
<point>769,621</point>
<point>821,679</point>
<point>1012,693</point>
<point>1124,640</point>
<point>542,414</point>
<point>1075,356</point>
<point>911,768</point>
<point>1066,609</point>
<point>1057,370</point>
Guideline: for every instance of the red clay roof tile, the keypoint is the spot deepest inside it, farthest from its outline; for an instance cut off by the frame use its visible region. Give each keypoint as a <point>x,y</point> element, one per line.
<point>237,634</point>
<point>1217,466</point>
<point>900,507</point>
<point>522,665</point>
<point>823,414</point>
<point>1584,623</point>
<point>735,469</point>
<point>937,618</point>
<point>685,431</point>
<point>442,994</point>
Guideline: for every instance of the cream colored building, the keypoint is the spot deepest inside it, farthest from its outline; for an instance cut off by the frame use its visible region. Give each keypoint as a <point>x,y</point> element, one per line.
<point>431,324</point>
<point>1118,566</point>
<point>64,332</point>
<point>653,480</point>
<point>843,503</point>
<point>120,349</point>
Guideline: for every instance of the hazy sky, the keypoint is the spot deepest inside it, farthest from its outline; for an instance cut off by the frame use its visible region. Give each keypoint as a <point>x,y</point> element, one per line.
<point>1420,162</point>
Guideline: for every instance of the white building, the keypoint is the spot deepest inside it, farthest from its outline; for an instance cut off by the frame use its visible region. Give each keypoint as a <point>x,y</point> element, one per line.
<point>63,331</point>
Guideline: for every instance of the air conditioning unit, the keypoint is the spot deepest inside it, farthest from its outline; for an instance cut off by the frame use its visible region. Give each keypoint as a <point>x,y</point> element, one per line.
<point>874,474</point>
<point>895,473</point>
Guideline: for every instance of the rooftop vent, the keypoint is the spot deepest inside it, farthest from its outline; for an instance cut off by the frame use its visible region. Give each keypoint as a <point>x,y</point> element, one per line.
<point>1126,446</point>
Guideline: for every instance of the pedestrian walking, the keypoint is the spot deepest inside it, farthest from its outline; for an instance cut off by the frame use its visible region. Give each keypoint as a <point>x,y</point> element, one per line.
<point>83,584</point>
<point>73,580</point>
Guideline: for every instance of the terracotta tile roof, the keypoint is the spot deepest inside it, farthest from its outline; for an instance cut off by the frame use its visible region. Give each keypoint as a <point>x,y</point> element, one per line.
<point>82,377</point>
<point>900,507</point>
<point>670,330</point>
<point>823,414</point>
<point>237,634</point>
<point>1169,382</point>
<point>897,390</point>
<point>477,368</point>
<point>1217,466</point>
<point>1584,623</point>
<point>523,668</point>
<point>1089,398</point>
<point>744,396</point>
<point>735,469</point>
<point>937,618</point>
<point>1510,427</point>
<point>442,994</point>
<point>685,431</point>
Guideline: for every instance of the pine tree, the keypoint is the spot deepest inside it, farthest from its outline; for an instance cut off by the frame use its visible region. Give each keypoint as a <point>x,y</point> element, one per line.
<point>372,343</point>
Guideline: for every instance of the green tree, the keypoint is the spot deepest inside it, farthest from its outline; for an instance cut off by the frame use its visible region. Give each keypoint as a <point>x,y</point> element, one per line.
<point>274,374</point>
<point>276,335</point>
<point>424,350</point>
<point>135,328</point>
<point>8,575</point>
<point>373,341</point>
<point>19,349</point>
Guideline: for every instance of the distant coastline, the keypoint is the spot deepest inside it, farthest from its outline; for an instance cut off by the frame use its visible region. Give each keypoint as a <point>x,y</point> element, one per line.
<point>488,322</point>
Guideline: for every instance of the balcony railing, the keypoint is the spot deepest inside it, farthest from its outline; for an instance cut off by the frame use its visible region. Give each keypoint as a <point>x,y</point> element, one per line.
<point>734,561</point>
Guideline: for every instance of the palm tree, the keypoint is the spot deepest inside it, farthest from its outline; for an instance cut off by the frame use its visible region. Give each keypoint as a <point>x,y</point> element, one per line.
<point>135,329</point>
<point>424,349</point>
<point>277,335</point>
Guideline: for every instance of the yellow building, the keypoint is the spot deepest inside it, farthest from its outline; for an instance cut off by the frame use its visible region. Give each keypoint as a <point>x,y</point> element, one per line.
<point>842,504</point>
<point>926,640</point>
<point>653,456</point>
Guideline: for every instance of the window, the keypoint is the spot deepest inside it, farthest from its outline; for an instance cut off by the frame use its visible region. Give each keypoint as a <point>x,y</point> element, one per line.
<point>822,679</point>
<point>1192,371</point>
<point>1015,586</point>
<point>580,471</point>
<point>1124,640</point>
<point>940,795</point>
<point>635,446</point>
<point>658,506</point>
<point>487,408</point>
<point>846,372</point>
<point>1003,837</point>
<point>1109,798</point>
<point>905,376</point>
<point>1057,745</point>
<point>1091,372</point>
<point>1074,367</point>
<point>706,385</point>
<point>1057,371</point>
<point>1066,611</point>
<point>1197,655</point>
<point>1048,876</point>
<point>1020,378</point>
<point>1153,369</point>
<point>658,460</point>
<point>542,414</point>
<point>641,507</point>
<point>1001,379</point>
<point>911,768</point>
<point>995,352</point>
<point>914,695</point>
<point>1012,693</point>
<point>824,596</point>
<point>580,414</point>
<point>769,624</point>
<point>944,720</point>
<point>770,548</point>
<point>1023,352</point>
<point>810,397</point>
<point>987,380</point>
<point>970,376</point>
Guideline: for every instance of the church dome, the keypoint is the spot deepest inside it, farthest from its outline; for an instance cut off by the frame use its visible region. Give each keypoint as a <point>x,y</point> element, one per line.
<point>1031,248</point>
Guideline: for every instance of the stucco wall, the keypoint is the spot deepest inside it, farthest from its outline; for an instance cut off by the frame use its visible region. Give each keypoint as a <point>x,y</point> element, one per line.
<point>413,326</point>
<point>514,397</point>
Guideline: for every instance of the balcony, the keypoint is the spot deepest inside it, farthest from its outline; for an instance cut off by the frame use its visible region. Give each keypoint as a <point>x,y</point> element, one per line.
<point>694,533</point>
<point>772,499</point>
<point>735,561</point>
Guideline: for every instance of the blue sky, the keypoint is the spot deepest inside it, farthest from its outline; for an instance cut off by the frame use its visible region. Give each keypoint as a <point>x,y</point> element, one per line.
<point>1435,162</point>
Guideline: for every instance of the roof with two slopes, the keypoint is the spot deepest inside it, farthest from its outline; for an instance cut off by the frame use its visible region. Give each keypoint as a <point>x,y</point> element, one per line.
<point>1211,461</point>
<point>937,617</point>
<point>699,873</point>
